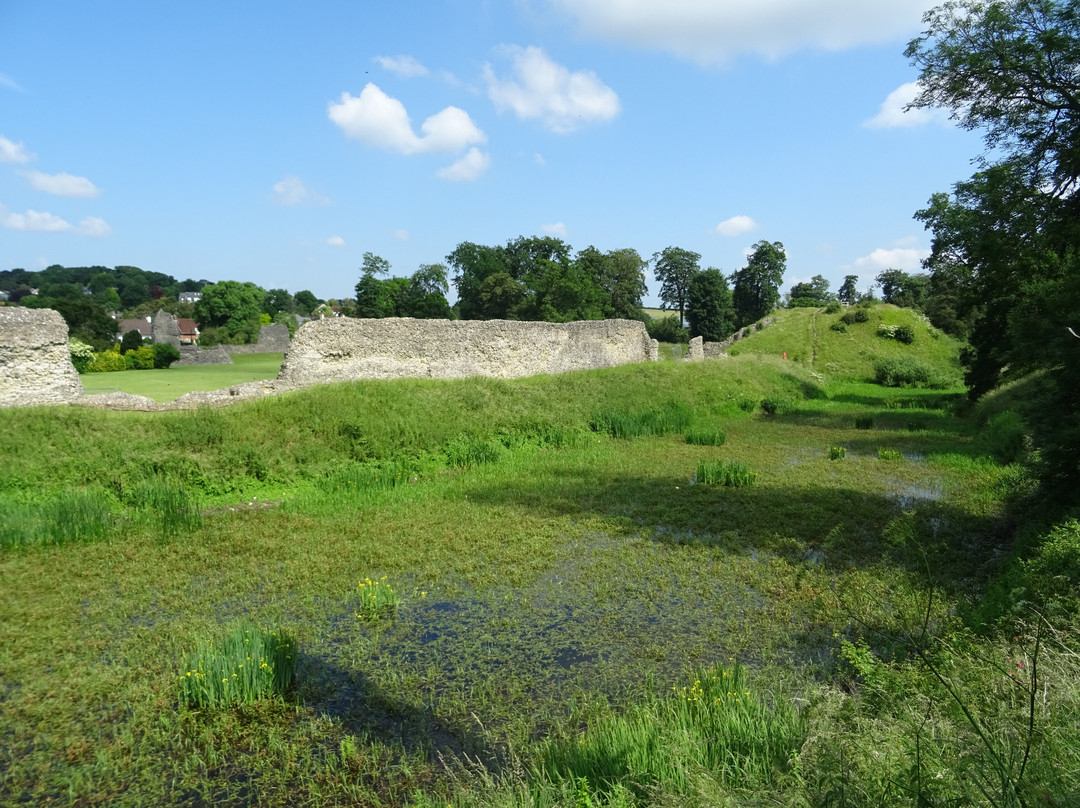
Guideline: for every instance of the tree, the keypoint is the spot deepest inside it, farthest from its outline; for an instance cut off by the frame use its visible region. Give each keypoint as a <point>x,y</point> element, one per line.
<point>756,287</point>
<point>426,297</point>
<point>373,296</point>
<point>278,300</point>
<point>375,264</point>
<point>810,294</point>
<point>674,267</point>
<point>305,302</point>
<point>620,277</point>
<point>848,293</point>
<point>233,306</point>
<point>709,307</point>
<point>902,289</point>
<point>131,341</point>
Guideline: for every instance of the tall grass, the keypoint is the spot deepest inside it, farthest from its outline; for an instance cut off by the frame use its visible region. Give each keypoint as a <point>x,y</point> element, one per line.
<point>248,664</point>
<point>75,516</point>
<point>675,417</point>
<point>725,472</point>
<point>165,505</point>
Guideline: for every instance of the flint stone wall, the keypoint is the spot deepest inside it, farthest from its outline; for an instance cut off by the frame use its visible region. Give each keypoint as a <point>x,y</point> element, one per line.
<point>344,349</point>
<point>695,350</point>
<point>35,362</point>
<point>164,328</point>
<point>194,355</point>
<point>273,338</point>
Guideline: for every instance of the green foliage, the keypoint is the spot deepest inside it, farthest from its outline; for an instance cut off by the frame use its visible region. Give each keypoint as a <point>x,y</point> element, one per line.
<point>779,405</point>
<point>839,327</point>
<point>467,451</point>
<point>833,307</point>
<point>856,315</point>
<point>675,267</point>
<point>864,422</point>
<point>837,453</point>
<point>889,454</point>
<point>232,306</point>
<point>725,472</point>
<point>908,371</point>
<point>131,341</point>
<point>250,663</point>
<point>756,287</point>
<point>165,505</point>
<point>357,477</point>
<point>72,516</point>
<point>675,417</point>
<point>706,437</point>
<point>904,334</point>
<point>106,362</point>
<point>709,308</point>
<point>81,354</point>
<point>1005,437</point>
<point>667,329</point>
<point>142,358</point>
<point>376,600</point>
<point>165,353</point>
<point>1053,571</point>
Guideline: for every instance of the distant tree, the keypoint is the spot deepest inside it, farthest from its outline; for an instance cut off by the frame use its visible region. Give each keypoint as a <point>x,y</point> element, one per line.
<point>131,341</point>
<point>233,306</point>
<point>674,267</point>
<point>305,302</point>
<point>902,289</point>
<point>279,300</point>
<point>756,287</point>
<point>812,293</point>
<point>427,290</point>
<point>373,297</point>
<point>86,320</point>
<point>620,276</point>
<point>375,264</point>
<point>848,293</point>
<point>710,311</point>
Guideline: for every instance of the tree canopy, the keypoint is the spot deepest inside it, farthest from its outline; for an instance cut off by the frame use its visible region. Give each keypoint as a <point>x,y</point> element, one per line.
<point>674,267</point>
<point>756,287</point>
<point>710,310</point>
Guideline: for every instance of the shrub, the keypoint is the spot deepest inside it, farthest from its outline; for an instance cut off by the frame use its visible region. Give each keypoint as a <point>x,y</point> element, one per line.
<point>377,600</point>
<point>857,315</point>
<point>165,353</point>
<point>706,437</point>
<point>904,334</point>
<point>667,329</point>
<point>81,354</point>
<point>839,327</point>
<point>1054,572</point>
<point>725,472</point>
<point>778,405</point>
<point>106,362</point>
<point>142,358</point>
<point>248,664</point>
<point>907,371</point>
<point>833,307</point>
<point>886,331</point>
<point>131,341</point>
<point>1005,437</point>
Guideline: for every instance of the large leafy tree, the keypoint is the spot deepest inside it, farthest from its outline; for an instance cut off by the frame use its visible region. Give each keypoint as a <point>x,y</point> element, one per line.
<point>756,287</point>
<point>1005,243</point>
<point>232,306</point>
<point>710,310</point>
<point>674,267</point>
<point>848,293</point>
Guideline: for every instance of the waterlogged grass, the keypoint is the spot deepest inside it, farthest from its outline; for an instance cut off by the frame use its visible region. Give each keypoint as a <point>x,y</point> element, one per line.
<point>561,612</point>
<point>74,516</point>
<point>725,472</point>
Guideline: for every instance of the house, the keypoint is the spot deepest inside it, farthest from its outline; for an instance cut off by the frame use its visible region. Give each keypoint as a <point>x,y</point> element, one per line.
<point>189,332</point>
<point>190,297</point>
<point>140,324</point>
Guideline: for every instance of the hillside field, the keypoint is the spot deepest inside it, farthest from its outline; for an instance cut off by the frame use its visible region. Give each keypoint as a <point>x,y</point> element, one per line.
<point>748,581</point>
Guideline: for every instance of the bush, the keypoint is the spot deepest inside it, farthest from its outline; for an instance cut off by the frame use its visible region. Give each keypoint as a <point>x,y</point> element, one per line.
<point>1054,572</point>
<point>904,334</point>
<point>106,362</point>
<point>667,329</point>
<point>857,315</point>
<point>833,307</point>
<point>778,405</point>
<point>142,358</point>
<point>1005,437</point>
<point>907,371</point>
<point>81,354</point>
<point>839,327</point>
<point>132,341</point>
<point>165,354</point>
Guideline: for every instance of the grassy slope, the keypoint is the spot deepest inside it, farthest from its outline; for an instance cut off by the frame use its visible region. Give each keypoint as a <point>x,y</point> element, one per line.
<point>166,385</point>
<point>544,593</point>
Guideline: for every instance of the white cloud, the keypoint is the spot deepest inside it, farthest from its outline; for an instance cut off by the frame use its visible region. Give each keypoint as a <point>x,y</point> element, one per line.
<point>717,31</point>
<point>94,227</point>
<point>13,152</point>
<point>542,89</point>
<point>467,169</point>
<point>404,66</point>
<point>401,235</point>
<point>61,184</point>
<point>538,158</point>
<point>892,113</point>
<point>908,259</point>
<point>9,82</point>
<point>736,225</point>
<point>33,221</point>
<point>376,119</point>
<point>39,222</point>
<point>336,241</point>
<point>557,229</point>
<point>292,191</point>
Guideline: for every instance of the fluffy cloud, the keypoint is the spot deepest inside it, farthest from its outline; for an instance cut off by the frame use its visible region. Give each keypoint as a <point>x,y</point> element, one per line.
<point>467,169</point>
<point>736,225</point>
<point>401,235</point>
<point>546,90</point>
<point>292,191</point>
<point>376,119</point>
<point>404,66</point>
<point>908,259</point>
<point>336,241</point>
<point>892,113</point>
<point>717,31</point>
<point>39,222</point>
<point>13,152</point>
<point>558,229</point>
<point>61,184</point>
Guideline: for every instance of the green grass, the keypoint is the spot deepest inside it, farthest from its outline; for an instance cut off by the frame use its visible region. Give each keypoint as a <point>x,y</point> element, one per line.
<point>561,611</point>
<point>250,663</point>
<point>171,383</point>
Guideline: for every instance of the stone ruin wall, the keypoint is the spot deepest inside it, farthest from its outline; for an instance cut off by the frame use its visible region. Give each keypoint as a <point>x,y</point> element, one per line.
<point>345,349</point>
<point>715,350</point>
<point>273,338</point>
<point>35,361</point>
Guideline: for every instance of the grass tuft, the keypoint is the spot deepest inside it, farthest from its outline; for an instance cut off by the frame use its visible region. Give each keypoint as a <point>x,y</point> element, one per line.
<point>725,472</point>
<point>706,437</point>
<point>249,664</point>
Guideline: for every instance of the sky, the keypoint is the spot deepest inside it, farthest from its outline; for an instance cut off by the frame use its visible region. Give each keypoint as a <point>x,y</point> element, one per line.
<point>278,142</point>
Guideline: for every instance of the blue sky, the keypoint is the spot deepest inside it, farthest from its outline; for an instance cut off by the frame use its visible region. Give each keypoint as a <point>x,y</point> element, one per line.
<point>277,142</point>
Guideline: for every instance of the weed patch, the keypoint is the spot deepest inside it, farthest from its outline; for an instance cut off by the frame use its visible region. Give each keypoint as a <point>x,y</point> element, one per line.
<point>248,664</point>
<point>725,472</point>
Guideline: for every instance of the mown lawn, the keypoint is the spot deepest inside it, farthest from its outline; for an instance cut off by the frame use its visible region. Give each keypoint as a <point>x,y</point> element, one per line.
<point>170,383</point>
